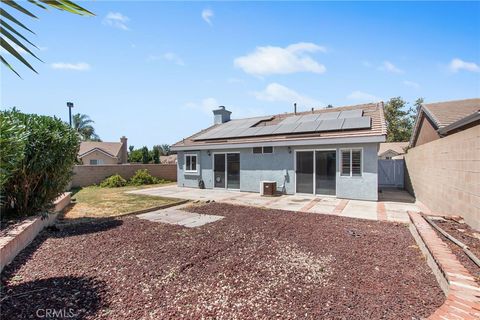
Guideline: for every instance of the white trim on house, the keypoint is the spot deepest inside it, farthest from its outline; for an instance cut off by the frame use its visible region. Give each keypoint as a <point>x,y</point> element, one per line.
<point>351,160</point>
<point>314,170</point>
<point>285,143</point>
<point>226,174</point>
<point>197,165</point>
<point>96,149</point>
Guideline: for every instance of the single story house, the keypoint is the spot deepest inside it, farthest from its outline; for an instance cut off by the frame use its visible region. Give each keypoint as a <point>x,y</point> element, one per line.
<point>392,150</point>
<point>325,152</point>
<point>98,153</point>
<point>440,119</point>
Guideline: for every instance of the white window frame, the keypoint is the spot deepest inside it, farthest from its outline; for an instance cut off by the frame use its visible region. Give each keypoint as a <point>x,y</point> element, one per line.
<point>186,170</point>
<point>263,152</point>
<point>97,162</point>
<point>351,159</point>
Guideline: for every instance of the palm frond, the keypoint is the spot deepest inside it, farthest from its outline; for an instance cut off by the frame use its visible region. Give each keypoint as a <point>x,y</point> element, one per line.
<point>9,32</point>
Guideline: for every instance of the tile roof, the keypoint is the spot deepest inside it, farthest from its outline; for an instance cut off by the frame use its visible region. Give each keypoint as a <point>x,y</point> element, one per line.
<point>374,110</point>
<point>446,113</point>
<point>112,148</point>
<point>398,147</point>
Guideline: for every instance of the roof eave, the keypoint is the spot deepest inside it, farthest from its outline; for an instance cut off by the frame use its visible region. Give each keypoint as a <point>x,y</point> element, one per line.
<point>286,143</point>
<point>460,123</point>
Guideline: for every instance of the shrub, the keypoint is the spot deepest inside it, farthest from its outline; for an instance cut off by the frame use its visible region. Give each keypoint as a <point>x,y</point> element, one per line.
<point>156,155</point>
<point>143,177</point>
<point>114,181</point>
<point>146,157</point>
<point>47,160</point>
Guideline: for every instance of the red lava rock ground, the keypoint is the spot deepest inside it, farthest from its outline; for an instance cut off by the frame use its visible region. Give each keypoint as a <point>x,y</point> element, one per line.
<point>465,234</point>
<point>255,263</point>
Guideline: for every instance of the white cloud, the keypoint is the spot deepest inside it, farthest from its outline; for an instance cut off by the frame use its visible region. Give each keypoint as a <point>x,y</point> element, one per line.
<point>207,15</point>
<point>458,64</point>
<point>168,56</point>
<point>206,105</point>
<point>361,96</point>
<point>80,66</point>
<point>116,20</point>
<point>277,92</point>
<point>411,84</point>
<point>390,67</point>
<point>277,60</point>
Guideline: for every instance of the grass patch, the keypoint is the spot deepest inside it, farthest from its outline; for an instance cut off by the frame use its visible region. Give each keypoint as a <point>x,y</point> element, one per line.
<point>96,202</point>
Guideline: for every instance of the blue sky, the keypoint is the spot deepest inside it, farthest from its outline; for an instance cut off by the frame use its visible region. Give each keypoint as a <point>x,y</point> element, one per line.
<point>153,71</point>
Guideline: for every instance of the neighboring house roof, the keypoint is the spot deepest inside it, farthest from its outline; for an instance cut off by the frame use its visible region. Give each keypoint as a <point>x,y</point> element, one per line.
<point>376,132</point>
<point>449,115</point>
<point>111,149</point>
<point>171,159</point>
<point>397,147</point>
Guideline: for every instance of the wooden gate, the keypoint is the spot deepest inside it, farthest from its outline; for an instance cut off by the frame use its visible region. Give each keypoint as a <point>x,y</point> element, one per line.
<point>391,173</point>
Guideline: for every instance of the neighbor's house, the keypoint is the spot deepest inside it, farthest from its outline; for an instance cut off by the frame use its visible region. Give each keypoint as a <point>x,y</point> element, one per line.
<point>392,150</point>
<point>98,153</point>
<point>437,120</point>
<point>325,152</point>
<point>443,160</point>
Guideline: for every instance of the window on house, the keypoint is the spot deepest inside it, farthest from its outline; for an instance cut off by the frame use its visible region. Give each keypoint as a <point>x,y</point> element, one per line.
<point>96,161</point>
<point>267,149</point>
<point>191,163</point>
<point>263,150</point>
<point>351,162</point>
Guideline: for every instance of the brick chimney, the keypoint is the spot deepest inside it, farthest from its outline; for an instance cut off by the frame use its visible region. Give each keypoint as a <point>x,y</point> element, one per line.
<point>124,150</point>
<point>221,115</point>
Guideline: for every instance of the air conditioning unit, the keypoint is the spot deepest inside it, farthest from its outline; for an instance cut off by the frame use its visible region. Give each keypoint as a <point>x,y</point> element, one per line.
<point>268,188</point>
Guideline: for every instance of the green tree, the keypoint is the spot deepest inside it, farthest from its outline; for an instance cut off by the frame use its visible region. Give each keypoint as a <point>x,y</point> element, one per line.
<point>11,37</point>
<point>130,148</point>
<point>156,154</point>
<point>46,164</point>
<point>400,118</point>
<point>165,149</point>
<point>83,125</point>
<point>135,156</point>
<point>145,155</point>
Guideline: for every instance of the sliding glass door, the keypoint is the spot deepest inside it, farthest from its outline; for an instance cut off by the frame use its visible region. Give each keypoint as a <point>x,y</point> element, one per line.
<point>316,172</point>
<point>325,172</point>
<point>304,171</point>
<point>219,170</point>
<point>233,170</point>
<point>226,170</point>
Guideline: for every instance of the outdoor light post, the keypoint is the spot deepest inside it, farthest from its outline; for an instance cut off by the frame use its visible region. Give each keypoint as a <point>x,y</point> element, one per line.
<point>70,106</point>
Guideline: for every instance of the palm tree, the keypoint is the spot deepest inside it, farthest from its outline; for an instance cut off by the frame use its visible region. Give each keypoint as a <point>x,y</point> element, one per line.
<point>12,41</point>
<point>83,125</point>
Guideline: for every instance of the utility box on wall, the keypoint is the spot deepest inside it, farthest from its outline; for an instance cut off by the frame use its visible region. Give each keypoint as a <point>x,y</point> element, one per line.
<point>268,188</point>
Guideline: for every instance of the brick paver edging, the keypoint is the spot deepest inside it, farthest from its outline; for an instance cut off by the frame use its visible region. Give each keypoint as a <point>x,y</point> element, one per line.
<point>463,293</point>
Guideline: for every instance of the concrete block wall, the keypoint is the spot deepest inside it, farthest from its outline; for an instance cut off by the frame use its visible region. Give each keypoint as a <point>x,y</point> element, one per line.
<point>86,175</point>
<point>445,175</point>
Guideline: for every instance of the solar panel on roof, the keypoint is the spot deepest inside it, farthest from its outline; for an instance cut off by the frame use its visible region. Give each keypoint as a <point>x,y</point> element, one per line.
<point>266,130</point>
<point>285,128</point>
<point>250,131</point>
<point>330,124</point>
<point>329,115</point>
<point>308,126</point>
<point>351,114</point>
<point>356,123</point>
<point>309,117</point>
<point>291,119</point>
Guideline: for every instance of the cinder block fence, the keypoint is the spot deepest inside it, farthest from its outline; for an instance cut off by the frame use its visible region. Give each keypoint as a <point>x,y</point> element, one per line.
<point>86,175</point>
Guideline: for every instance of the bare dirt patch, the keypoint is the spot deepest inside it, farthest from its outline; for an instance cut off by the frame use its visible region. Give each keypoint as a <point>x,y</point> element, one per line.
<point>254,263</point>
<point>465,234</point>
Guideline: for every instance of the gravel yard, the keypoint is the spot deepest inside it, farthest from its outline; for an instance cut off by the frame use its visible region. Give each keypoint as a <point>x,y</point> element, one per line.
<point>254,263</point>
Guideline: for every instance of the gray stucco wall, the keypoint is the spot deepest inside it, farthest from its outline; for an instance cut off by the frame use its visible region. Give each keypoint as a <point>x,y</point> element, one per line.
<point>280,167</point>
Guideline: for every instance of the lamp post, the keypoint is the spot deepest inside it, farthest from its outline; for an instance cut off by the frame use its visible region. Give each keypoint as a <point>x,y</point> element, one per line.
<point>70,106</point>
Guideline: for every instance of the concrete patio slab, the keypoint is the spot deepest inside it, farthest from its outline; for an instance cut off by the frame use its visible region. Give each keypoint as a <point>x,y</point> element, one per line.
<point>392,206</point>
<point>179,217</point>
